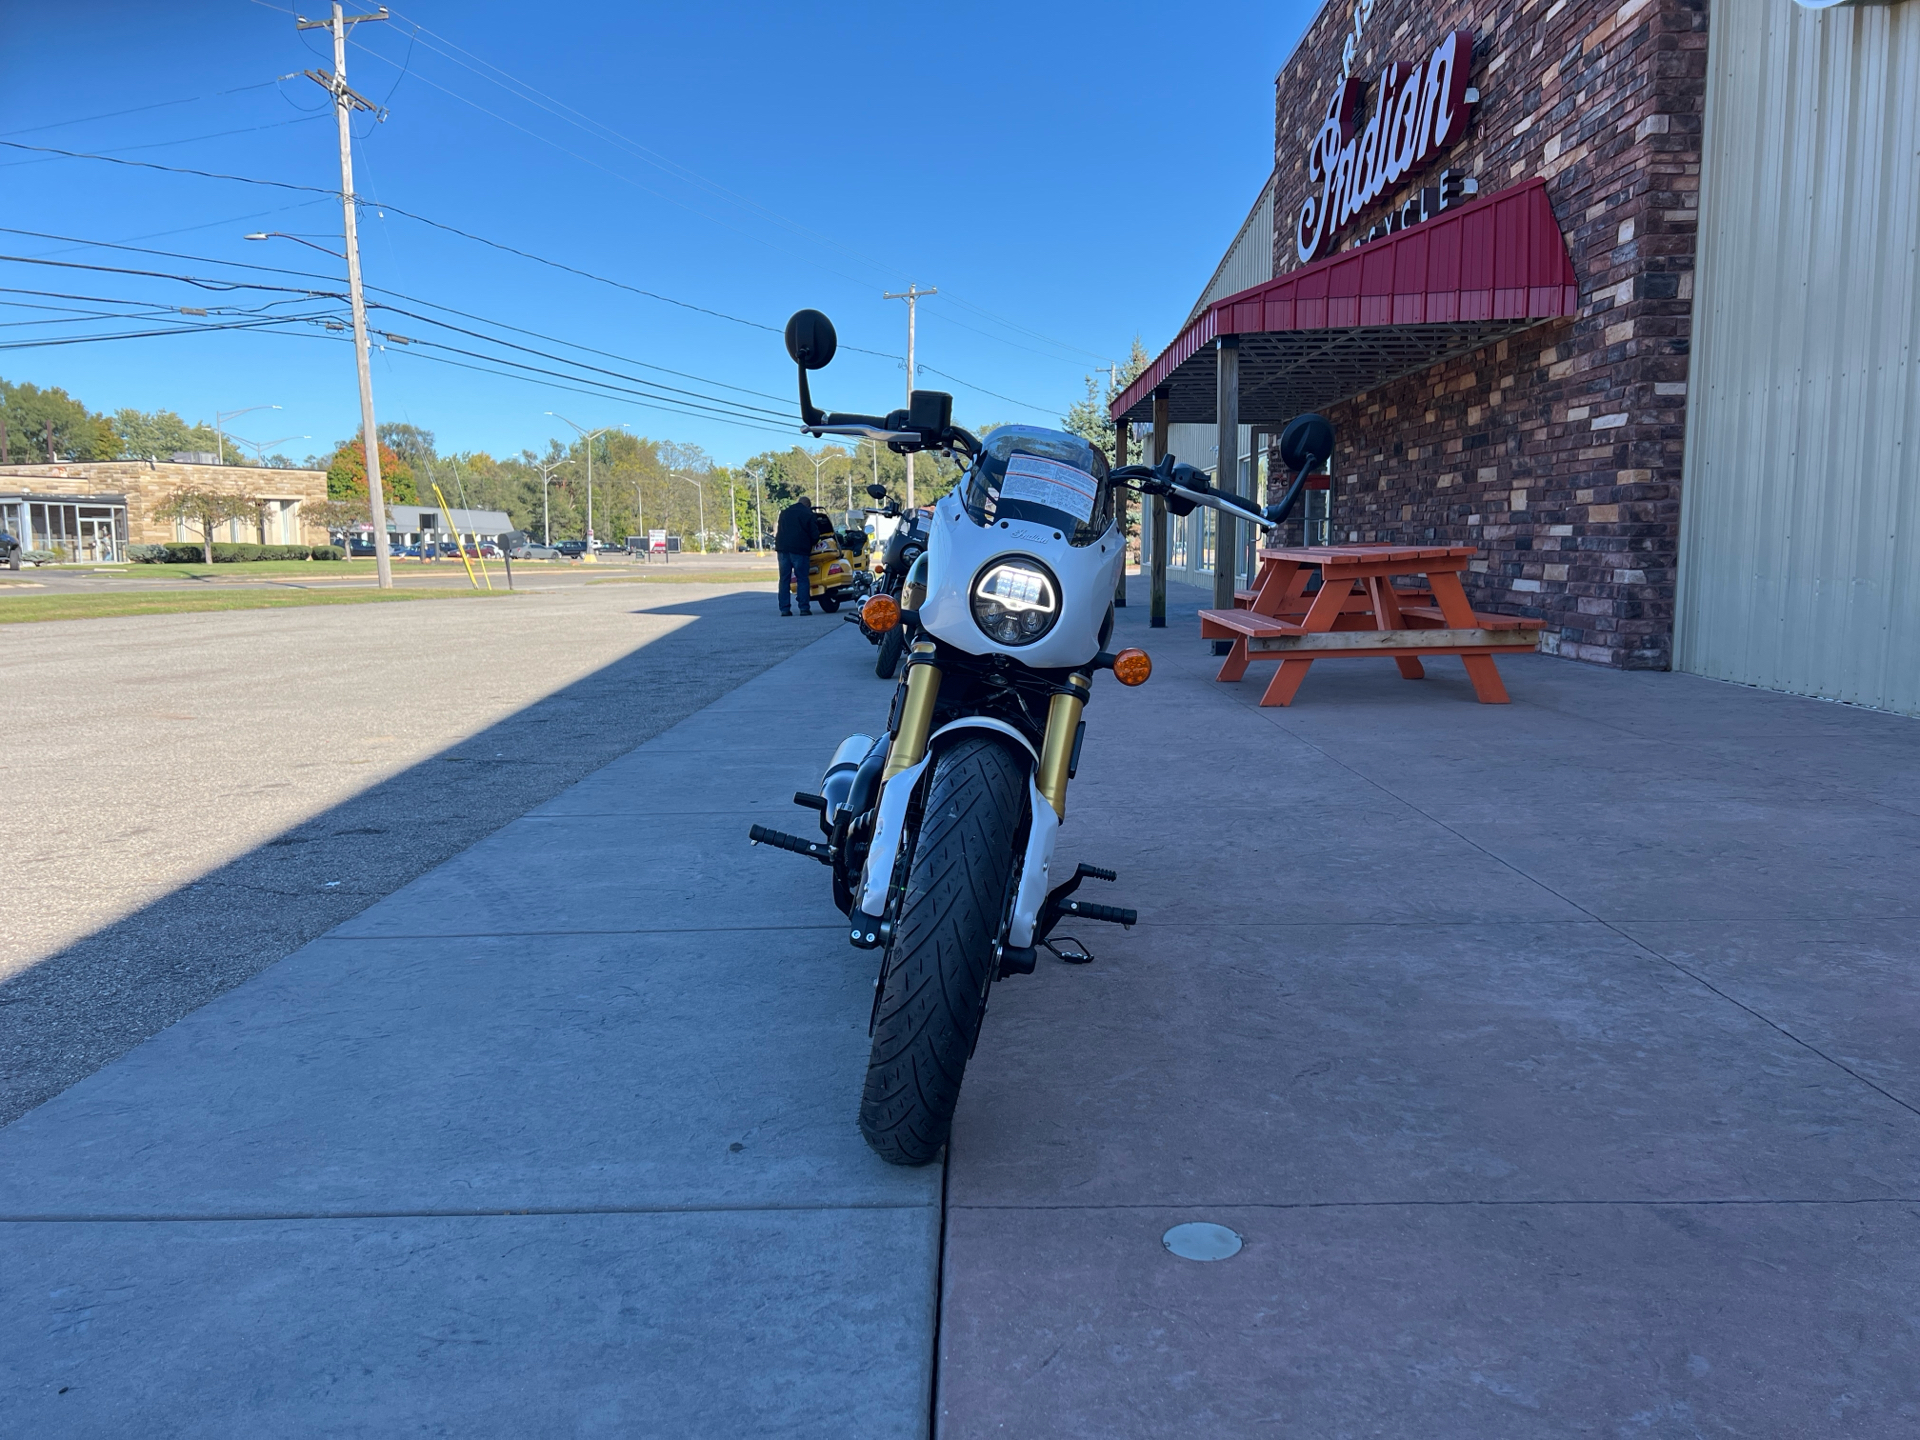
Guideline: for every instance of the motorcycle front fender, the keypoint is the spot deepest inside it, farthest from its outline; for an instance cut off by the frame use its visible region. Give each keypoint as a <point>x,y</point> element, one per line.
<point>876,877</point>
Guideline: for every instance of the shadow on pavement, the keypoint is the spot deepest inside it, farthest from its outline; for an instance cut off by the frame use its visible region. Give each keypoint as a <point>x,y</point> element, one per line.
<point>91,1002</point>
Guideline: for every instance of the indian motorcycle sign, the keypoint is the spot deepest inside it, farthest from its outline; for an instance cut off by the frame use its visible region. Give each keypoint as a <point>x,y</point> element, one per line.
<point>1420,110</point>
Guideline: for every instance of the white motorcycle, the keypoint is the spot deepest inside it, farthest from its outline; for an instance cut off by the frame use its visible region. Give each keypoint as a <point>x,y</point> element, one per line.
<point>940,833</point>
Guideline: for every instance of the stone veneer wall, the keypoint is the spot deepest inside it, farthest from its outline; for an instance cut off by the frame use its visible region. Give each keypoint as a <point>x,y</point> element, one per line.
<point>148,485</point>
<point>1557,451</point>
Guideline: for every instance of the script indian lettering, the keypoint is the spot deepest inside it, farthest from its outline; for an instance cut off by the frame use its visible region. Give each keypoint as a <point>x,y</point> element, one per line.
<point>1420,111</point>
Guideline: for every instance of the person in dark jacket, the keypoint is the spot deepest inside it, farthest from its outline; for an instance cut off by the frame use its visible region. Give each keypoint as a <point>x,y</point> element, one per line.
<point>793,541</point>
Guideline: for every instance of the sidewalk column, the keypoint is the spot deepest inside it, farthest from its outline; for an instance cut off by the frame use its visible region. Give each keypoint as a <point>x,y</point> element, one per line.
<point>1157,563</point>
<point>1226,545</point>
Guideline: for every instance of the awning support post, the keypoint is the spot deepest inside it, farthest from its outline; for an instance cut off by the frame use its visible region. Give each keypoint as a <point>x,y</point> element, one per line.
<point>1157,563</point>
<point>1123,495</point>
<point>1226,548</point>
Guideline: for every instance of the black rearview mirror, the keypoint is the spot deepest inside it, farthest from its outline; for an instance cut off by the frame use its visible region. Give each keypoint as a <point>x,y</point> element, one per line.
<point>878,492</point>
<point>810,339</point>
<point>1307,443</point>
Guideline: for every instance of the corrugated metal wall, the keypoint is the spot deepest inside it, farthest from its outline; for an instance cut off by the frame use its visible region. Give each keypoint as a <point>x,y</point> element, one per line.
<point>1249,259</point>
<point>1800,532</point>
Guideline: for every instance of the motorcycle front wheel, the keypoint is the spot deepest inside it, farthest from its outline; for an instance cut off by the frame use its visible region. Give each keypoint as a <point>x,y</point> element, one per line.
<point>893,645</point>
<point>940,960</point>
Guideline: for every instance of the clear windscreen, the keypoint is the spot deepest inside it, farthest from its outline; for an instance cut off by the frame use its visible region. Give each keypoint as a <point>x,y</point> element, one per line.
<point>1045,477</point>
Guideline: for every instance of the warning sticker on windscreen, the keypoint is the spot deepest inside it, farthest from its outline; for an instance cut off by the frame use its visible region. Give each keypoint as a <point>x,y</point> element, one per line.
<point>1049,483</point>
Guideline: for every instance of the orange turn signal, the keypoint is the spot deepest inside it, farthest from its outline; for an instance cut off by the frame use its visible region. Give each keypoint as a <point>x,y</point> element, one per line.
<point>881,612</point>
<point>1132,667</point>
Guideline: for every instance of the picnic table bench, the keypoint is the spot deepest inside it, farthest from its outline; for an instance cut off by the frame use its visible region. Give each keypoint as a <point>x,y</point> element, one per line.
<point>1356,609</point>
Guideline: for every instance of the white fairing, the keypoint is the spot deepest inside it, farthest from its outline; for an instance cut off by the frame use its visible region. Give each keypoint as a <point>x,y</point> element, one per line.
<point>960,549</point>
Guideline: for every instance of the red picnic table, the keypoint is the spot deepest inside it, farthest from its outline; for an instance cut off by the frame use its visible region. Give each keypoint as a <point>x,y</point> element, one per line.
<point>1358,610</point>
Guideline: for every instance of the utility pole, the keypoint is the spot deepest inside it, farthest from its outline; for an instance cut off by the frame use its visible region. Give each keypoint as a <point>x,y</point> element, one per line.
<point>345,102</point>
<point>759,515</point>
<point>818,461</point>
<point>912,296</point>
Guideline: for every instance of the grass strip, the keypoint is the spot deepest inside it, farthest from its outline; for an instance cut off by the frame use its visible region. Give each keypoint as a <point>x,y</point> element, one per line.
<point>719,577</point>
<point>27,608</point>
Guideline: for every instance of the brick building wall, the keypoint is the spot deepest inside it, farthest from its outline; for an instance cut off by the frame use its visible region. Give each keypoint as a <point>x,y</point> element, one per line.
<point>1558,450</point>
<point>147,485</point>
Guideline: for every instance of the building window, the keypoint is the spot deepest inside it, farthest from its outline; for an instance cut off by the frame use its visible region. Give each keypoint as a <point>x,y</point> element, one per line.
<point>1209,533</point>
<point>1178,532</point>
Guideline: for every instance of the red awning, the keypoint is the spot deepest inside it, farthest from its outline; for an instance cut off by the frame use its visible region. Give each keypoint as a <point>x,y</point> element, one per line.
<point>1355,320</point>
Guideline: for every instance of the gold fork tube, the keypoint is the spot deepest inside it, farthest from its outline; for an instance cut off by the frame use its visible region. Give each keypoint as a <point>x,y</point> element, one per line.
<point>916,714</point>
<point>1056,750</point>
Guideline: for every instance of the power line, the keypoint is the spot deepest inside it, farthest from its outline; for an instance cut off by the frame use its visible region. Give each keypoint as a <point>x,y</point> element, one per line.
<point>380,290</point>
<point>169,169</point>
<point>164,144</point>
<point>984,391</point>
<point>140,109</point>
<point>599,129</point>
<point>435,224</point>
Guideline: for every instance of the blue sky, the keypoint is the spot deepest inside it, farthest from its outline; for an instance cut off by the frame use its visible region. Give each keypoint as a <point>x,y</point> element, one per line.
<point>1067,175</point>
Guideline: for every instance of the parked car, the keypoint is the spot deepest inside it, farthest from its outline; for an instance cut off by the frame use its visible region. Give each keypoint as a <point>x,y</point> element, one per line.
<point>358,549</point>
<point>531,551</point>
<point>572,549</point>
<point>9,551</point>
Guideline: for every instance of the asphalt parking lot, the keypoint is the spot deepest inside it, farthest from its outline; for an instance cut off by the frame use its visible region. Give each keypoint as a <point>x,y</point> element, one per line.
<point>191,797</point>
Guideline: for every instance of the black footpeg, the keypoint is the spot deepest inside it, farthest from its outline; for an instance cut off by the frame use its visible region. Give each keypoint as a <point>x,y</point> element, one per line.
<point>780,840</point>
<point>812,802</point>
<point>1060,904</point>
<point>1087,910</point>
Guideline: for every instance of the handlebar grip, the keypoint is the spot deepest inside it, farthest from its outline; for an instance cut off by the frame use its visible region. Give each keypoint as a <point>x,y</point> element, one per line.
<point>1087,910</point>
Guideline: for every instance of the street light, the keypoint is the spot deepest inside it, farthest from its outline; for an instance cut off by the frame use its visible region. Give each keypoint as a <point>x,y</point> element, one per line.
<point>260,447</point>
<point>282,235</point>
<point>588,439</point>
<point>818,461</point>
<point>546,469</point>
<point>671,475</point>
<point>220,416</point>
<point>759,516</point>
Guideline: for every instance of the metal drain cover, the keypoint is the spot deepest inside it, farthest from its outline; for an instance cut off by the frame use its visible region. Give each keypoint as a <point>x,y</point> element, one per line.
<point>1199,1240</point>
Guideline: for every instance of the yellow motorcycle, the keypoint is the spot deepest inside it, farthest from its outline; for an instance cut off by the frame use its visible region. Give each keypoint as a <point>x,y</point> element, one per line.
<point>834,572</point>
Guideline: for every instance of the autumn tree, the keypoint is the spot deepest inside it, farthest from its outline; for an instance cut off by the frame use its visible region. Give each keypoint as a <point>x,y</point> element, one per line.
<point>203,508</point>
<point>347,474</point>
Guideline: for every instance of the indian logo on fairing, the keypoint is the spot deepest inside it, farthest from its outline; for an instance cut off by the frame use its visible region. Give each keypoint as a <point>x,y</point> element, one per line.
<point>1420,111</point>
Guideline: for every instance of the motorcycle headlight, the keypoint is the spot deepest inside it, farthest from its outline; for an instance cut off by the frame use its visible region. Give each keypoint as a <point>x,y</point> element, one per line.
<point>1015,601</point>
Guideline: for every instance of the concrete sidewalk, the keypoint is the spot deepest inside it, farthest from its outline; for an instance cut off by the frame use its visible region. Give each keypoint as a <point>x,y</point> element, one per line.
<point>1555,1061</point>
<point>559,1139</point>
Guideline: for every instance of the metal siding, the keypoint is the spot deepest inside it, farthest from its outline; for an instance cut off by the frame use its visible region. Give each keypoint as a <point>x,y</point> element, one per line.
<point>1801,500</point>
<point>1249,259</point>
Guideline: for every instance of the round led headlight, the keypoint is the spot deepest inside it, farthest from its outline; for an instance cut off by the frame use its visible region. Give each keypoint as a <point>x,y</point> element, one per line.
<point>1015,600</point>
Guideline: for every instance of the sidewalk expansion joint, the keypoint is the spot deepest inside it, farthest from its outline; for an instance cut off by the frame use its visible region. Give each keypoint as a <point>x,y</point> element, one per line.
<point>1695,1201</point>
<point>536,1212</point>
<point>562,934</point>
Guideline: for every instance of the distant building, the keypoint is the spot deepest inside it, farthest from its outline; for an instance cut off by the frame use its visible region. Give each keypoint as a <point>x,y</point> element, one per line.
<point>423,524</point>
<point>94,509</point>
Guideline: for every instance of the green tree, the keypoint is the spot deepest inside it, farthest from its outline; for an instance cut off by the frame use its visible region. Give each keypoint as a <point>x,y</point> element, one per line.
<point>32,415</point>
<point>156,434</point>
<point>204,508</point>
<point>1088,417</point>
<point>412,444</point>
